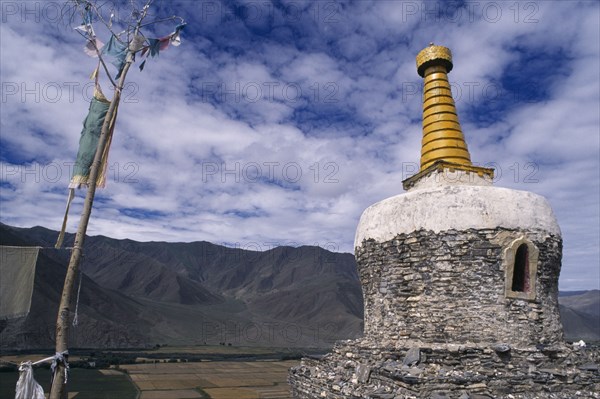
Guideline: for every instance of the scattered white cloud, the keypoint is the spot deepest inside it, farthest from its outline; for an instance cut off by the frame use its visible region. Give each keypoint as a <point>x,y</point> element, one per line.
<point>280,123</point>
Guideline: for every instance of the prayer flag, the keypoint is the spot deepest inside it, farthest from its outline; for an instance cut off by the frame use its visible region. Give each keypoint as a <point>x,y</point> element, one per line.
<point>88,142</point>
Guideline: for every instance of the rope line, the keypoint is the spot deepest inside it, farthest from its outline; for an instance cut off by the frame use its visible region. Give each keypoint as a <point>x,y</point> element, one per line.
<point>62,358</point>
<point>76,317</point>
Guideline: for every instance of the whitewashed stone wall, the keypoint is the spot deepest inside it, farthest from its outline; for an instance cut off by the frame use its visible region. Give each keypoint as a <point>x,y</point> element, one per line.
<point>455,207</point>
<point>449,287</point>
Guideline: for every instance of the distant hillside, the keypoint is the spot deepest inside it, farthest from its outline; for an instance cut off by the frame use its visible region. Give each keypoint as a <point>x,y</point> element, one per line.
<point>192,293</point>
<point>106,318</point>
<point>137,294</point>
<point>580,315</point>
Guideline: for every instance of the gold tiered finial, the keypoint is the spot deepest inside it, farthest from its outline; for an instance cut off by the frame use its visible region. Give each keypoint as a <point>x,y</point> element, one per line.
<point>434,55</point>
<point>443,143</point>
<point>442,135</point>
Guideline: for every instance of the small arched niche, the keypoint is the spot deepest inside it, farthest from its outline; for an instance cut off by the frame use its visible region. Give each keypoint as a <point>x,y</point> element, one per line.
<point>520,264</point>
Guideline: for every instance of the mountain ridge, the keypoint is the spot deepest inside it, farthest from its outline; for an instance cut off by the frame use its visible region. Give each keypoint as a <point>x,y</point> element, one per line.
<point>201,292</point>
<point>137,294</point>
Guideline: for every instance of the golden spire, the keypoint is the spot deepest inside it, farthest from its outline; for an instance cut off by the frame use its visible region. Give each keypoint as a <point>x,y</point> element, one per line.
<point>443,144</point>
<point>442,136</point>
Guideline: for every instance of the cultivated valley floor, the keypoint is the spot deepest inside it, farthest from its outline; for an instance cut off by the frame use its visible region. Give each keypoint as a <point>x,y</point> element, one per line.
<point>220,380</point>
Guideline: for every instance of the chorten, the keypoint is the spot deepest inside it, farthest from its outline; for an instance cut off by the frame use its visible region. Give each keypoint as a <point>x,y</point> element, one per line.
<point>460,283</point>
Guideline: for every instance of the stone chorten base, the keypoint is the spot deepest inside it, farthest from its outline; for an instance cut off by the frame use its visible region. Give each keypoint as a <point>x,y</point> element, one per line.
<point>362,369</point>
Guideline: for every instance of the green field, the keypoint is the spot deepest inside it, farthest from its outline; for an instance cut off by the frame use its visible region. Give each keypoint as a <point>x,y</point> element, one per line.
<point>88,384</point>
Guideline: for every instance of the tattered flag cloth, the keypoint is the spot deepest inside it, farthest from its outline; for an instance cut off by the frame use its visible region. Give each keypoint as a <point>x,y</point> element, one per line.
<point>137,43</point>
<point>176,36</point>
<point>157,45</point>
<point>93,47</point>
<point>86,24</point>
<point>17,268</point>
<point>88,144</point>
<point>27,387</point>
<point>118,51</point>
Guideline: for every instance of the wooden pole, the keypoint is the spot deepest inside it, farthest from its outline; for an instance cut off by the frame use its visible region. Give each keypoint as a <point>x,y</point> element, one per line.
<point>59,389</point>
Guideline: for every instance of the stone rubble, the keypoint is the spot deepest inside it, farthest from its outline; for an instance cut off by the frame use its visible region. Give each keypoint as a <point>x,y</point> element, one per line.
<point>447,371</point>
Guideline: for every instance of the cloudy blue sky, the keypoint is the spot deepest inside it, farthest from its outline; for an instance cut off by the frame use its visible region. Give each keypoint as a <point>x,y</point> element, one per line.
<point>279,122</point>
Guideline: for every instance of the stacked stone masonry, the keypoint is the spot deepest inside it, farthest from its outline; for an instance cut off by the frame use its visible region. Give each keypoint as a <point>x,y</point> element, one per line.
<point>360,369</point>
<point>439,324</point>
<point>450,287</point>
